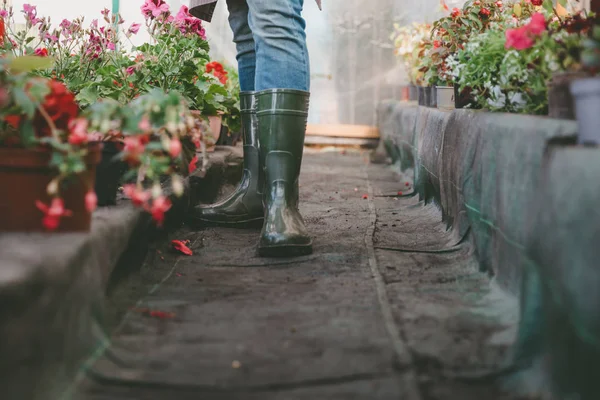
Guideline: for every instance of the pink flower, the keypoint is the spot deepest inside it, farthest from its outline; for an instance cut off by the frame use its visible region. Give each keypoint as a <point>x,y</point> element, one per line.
<point>79,134</point>
<point>31,14</point>
<point>130,70</point>
<point>537,25</point>
<point>91,201</point>
<point>111,46</point>
<point>137,196</point>
<point>154,8</point>
<point>144,124</point>
<point>175,148</point>
<point>518,39</point>
<point>134,148</point>
<point>94,24</point>
<point>105,12</point>
<point>3,13</point>
<point>134,28</point>
<point>54,213</point>
<point>182,15</point>
<point>159,207</point>
<point>52,38</point>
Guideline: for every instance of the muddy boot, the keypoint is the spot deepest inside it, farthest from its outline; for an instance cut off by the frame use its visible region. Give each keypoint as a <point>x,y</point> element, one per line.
<point>244,207</point>
<point>282,116</point>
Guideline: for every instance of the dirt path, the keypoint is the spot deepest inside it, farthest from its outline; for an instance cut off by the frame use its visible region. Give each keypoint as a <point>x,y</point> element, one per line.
<point>390,306</point>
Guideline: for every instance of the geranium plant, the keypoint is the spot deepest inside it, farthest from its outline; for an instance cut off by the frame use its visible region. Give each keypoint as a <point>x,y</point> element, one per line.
<point>410,43</point>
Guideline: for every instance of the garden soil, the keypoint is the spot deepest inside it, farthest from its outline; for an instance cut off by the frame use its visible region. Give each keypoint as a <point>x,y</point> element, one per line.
<point>389,306</point>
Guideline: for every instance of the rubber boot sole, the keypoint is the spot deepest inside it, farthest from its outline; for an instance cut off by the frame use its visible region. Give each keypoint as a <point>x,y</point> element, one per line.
<point>285,250</point>
<point>253,223</point>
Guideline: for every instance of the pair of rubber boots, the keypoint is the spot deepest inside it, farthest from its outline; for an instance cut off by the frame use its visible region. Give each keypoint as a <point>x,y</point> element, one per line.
<point>273,130</point>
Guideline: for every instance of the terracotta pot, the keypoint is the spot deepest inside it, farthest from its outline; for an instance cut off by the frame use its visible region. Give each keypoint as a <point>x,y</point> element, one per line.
<point>24,177</point>
<point>405,95</point>
<point>216,121</point>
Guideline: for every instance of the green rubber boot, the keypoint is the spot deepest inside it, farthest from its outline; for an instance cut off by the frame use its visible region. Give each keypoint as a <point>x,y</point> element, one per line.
<point>244,207</point>
<point>282,117</point>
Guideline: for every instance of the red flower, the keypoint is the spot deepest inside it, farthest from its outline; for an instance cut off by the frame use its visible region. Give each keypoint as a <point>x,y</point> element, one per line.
<point>537,2</point>
<point>484,12</point>
<point>437,44</point>
<point>181,247</point>
<point>13,120</point>
<point>137,196</point>
<point>159,207</point>
<point>216,68</point>
<point>193,165</point>
<point>60,106</point>
<point>43,52</point>
<point>53,214</point>
<point>91,201</point>
<point>455,12</point>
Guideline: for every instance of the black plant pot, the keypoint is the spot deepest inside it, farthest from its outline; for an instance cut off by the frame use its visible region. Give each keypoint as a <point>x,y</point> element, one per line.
<point>109,174</point>
<point>462,98</point>
<point>432,97</point>
<point>422,96</point>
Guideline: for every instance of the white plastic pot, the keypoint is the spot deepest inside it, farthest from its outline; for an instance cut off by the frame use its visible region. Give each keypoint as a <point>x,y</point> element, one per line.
<point>586,93</point>
<point>445,98</point>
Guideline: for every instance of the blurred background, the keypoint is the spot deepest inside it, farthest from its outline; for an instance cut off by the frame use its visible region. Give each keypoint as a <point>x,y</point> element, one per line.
<point>352,60</point>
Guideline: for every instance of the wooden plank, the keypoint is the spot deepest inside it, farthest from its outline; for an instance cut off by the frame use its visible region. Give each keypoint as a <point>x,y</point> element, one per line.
<point>340,130</point>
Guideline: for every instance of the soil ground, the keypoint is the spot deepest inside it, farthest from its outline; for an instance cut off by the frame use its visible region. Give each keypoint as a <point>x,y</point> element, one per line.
<point>389,306</point>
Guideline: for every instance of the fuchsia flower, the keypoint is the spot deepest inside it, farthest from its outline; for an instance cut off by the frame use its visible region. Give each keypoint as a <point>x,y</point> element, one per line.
<point>54,213</point>
<point>174,148</point>
<point>3,13</point>
<point>91,201</point>
<point>159,207</point>
<point>134,148</point>
<point>79,134</point>
<point>537,25</point>
<point>137,196</point>
<point>130,70</point>
<point>187,23</point>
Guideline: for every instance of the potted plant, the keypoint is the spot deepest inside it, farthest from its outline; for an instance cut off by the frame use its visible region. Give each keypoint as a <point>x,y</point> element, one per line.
<point>157,128</point>
<point>586,92</point>
<point>47,164</point>
<point>408,44</point>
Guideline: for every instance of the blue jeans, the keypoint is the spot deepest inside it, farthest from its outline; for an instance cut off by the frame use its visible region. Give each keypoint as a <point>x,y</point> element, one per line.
<point>271,44</point>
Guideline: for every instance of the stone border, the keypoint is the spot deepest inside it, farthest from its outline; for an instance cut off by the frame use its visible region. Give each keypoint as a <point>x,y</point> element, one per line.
<point>52,287</point>
<point>528,198</point>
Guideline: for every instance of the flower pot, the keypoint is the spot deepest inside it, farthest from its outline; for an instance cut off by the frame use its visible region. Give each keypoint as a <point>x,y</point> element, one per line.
<point>445,98</point>
<point>586,93</point>
<point>560,100</point>
<point>24,177</point>
<point>432,96</point>
<point>216,122</point>
<point>405,93</point>
<point>462,98</point>
<point>422,96</point>
<point>109,174</point>
<point>413,93</point>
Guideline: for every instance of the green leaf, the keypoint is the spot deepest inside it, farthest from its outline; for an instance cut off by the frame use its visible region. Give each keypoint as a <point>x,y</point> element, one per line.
<point>30,63</point>
<point>24,102</point>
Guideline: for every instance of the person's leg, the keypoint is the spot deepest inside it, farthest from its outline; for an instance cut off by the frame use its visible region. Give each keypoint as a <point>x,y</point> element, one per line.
<point>244,206</point>
<point>244,41</point>
<point>281,54</point>
<point>282,83</point>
